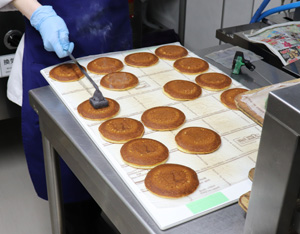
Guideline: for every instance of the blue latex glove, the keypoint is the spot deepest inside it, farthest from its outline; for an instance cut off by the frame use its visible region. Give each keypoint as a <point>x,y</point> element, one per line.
<point>53,30</point>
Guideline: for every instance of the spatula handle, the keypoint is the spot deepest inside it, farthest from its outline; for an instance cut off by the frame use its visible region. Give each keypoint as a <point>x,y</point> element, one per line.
<point>83,71</point>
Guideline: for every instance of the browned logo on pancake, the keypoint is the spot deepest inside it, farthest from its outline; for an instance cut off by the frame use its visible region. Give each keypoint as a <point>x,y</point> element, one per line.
<point>144,153</point>
<point>121,130</point>
<point>141,59</point>
<point>213,81</point>
<point>119,81</point>
<point>171,52</point>
<point>197,140</point>
<point>191,65</point>
<point>105,65</point>
<point>163,118</point>
<point>66,72</point>
<point>171,181</point>
<point>182,90</point>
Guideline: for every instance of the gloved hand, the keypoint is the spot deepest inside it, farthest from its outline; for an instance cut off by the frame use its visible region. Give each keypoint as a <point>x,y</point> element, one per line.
<point>53,30</point>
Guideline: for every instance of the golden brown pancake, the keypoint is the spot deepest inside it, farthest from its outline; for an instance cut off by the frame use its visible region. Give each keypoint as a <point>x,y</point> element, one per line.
<point>141,59</point>
<point>191,65</point>
<point>119,81</point>
<point>171,52</point>
<point>144,153</point>
<point>121,130</point>
<point>197,140</point>
<point>87,111</point>
<point>105,65</point>
<point>66,72</point>
<point>171,181</point>
<point>182,90</point>
<point>244,201</point>
<point>228,97</point>
<point>163,118</point>
<point>213,81</point>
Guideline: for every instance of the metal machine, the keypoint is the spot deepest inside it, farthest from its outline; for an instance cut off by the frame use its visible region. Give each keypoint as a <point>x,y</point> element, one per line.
<point>273,206</point>
<point>236,36</point>
<point>11,30</point>
<point>274,200</point>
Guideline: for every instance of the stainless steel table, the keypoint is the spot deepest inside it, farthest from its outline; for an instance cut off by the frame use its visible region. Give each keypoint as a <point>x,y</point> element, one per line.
<point>62,134</point>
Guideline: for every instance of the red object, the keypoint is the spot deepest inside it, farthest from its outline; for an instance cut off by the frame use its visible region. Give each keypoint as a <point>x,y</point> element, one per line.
<point>287,44</point>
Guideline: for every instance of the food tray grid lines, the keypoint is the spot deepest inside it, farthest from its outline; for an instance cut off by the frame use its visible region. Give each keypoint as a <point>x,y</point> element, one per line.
<point>160,209</point>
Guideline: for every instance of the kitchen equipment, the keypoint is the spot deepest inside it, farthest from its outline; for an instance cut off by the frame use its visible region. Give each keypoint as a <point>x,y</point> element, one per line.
<point>240,61</point>
<point>274,205</point>
<point>253,102</point>
<point>11,29</point>
<point>97,100</point>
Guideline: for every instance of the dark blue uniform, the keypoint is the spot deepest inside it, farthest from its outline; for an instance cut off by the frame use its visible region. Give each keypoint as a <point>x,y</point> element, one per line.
<point>95,26</point>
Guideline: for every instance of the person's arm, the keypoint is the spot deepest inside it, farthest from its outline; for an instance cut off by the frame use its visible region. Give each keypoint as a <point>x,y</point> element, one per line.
<point>26,7</point>
<point>52,28</point>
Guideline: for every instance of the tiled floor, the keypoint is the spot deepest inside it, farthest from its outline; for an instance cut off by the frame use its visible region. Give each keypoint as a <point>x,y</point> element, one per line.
<point>21,211</point>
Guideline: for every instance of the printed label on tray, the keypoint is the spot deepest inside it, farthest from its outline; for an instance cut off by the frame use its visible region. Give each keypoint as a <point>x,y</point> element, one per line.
<point>207,202</point>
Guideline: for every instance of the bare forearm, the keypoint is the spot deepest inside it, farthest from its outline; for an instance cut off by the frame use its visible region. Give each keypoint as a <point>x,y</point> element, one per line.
<point>26,7</point>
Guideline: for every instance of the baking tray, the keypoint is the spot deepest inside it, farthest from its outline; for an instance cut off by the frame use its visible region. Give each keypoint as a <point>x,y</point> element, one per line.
<point>223,174</point>
<point>253,103</point>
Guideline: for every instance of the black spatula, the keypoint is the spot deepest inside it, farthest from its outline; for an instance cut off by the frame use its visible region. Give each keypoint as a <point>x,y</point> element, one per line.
<point>97,100</point>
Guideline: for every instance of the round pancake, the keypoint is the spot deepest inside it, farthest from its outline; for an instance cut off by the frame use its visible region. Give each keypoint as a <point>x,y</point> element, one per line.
<point>119,81</point>
<point>66,72</point>
<point>191,66</point>
<point>163,118</point>
<point>171,52</point>
<point>171,181</point>
<point>244,201</point>
<point>197,140</point>
<point>105,65</point>
<point>141,59</point>
<point>121,130</point>
<point>213,81</point>
<point>144,153</point>
<point>87,111</point>
<point>228,96</point>
<point>182,90</point>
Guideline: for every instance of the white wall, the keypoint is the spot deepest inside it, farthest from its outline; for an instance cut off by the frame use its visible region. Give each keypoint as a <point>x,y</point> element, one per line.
<point>237,12</point>
<point>204,17</point>
<point>202,20</point>
<point>165,12</point>
<point>272,4</point>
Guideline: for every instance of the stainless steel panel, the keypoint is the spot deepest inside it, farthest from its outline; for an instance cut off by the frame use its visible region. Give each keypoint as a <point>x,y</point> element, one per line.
<point>276,181</point>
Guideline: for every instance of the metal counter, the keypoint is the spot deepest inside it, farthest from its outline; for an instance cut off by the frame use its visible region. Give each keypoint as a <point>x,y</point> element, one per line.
<point>63,134</point>
<point>263,75</point>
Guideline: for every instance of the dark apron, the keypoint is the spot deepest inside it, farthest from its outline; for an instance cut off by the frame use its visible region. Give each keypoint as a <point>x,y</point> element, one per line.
<point>95,26</point>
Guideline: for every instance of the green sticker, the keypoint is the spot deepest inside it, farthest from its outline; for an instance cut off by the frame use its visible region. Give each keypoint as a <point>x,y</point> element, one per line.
<point>207,202</point>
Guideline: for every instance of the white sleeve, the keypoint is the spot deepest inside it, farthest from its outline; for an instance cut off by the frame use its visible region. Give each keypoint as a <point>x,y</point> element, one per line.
<point>6,5</point>
<point>14,83</point>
